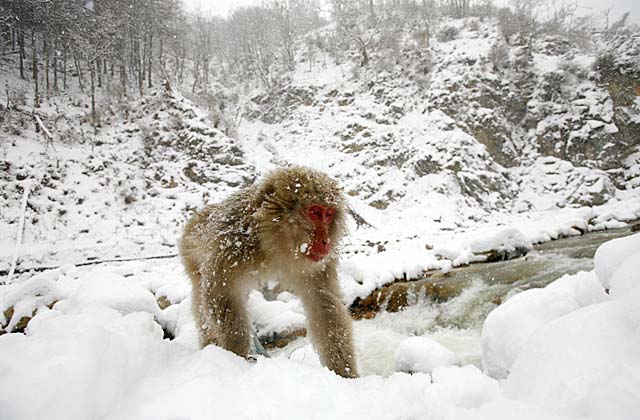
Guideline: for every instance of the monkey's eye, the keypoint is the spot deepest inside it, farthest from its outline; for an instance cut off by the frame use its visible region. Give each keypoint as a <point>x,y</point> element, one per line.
<point>329,214</point>
<point>320,213</point>
<point>315,213</point>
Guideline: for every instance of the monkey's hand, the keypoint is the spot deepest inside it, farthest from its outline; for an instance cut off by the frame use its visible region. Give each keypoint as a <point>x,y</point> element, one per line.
<point>330,327</point>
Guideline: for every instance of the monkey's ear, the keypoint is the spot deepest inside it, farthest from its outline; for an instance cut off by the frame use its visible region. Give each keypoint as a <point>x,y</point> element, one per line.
<point>265,194</point>
<point>269,190</point>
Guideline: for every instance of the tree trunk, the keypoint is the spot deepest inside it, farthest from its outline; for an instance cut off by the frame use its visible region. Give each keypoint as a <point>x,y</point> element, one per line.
<point>161,56</point>
<point>123,76</point>
<point>36,94</point>
<point>94,122</point>
<point>139,66</point>
<point>55,65</point>
<point>205,70</point>
<point>64,67</point>
<point>365,56</point>
<point>196,73</point>
<point>143,62</point>
<point>22,53</point>
<point>99,70</point>
<point>75,59</point>
<point>150,61</point>
<point>45,50</point>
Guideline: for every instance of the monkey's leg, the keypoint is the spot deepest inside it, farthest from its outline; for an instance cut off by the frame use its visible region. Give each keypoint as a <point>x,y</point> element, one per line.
<point>206,328</point>
<point>330,325</point>
<point>198,305</point>
<point>226,308</point>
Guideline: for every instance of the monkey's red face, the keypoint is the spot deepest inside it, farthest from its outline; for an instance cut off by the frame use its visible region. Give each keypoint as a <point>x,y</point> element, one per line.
<point>321,218</point>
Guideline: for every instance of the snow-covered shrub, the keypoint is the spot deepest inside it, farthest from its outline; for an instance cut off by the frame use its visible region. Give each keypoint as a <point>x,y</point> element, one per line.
<point>16,98</point>
<point>448,33</point>
<point>499,56</point>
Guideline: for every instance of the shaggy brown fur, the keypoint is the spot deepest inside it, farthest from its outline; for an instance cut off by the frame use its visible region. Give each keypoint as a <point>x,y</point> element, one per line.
<point>263,232</point>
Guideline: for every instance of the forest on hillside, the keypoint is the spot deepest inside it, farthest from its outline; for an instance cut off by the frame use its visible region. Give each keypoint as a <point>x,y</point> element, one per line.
<point>128,46</point>
<point>122,49</point>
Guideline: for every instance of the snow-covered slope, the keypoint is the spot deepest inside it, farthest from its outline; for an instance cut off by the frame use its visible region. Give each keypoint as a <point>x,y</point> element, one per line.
<point>120,194</point>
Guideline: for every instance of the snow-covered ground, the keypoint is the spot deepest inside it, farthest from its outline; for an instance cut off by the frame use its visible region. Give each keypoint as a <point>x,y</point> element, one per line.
<point>93,350</point>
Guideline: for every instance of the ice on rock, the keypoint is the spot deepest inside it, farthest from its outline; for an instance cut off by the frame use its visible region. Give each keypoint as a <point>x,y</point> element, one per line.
<point>462,250</point>
<point>422,354</point>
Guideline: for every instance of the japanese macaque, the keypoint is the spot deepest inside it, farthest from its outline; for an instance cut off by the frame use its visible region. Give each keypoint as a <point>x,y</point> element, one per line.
<point>288,226</point>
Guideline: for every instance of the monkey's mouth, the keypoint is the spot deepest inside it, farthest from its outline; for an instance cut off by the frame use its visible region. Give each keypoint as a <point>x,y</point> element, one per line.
<point>318,251</point>
<point>316,257</point>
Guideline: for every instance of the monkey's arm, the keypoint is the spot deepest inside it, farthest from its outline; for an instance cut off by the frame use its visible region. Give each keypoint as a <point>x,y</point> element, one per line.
<point>329,323</point>
<point>223,305</point>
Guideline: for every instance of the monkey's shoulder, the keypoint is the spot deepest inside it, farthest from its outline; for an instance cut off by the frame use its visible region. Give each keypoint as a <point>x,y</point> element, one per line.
<point>229,224</point>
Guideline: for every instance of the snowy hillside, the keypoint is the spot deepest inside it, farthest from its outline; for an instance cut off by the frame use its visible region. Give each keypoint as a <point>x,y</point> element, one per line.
<point>408,153</point>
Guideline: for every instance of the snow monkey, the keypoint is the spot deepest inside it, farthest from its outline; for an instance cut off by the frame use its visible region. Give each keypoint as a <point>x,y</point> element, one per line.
<point>287,227</point>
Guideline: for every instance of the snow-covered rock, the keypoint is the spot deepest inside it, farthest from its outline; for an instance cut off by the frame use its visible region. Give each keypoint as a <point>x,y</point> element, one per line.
<point>422,354</point>
<point>507,328</point>
<point>277,316</point>
<point>611,255</point>
<point>116,292</point>
<point>584,363</point>
<point>569,347</point>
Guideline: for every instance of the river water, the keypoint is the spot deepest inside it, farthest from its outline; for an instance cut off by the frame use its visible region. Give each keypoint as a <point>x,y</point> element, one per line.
<point>456,322</point>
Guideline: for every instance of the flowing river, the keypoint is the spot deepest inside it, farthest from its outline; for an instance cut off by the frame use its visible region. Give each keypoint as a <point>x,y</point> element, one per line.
<point>454,319</point>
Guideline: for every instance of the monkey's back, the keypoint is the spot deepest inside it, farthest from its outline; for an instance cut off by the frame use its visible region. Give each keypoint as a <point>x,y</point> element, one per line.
<point>221,234</point>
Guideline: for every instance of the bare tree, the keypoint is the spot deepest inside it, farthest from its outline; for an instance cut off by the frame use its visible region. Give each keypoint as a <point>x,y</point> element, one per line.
<point>458,8</point>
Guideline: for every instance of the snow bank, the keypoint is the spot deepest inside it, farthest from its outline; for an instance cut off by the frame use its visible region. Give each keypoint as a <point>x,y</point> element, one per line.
<point>586,362</point>
<point>76,365</point>
<point>612,254</point>
<point>467,248</point>
<point>507,327</point>
<point>569,348</point>
<point>116,292</point>
<point>90,361</point>
<point>28,297</point>
<point>569,351</point>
